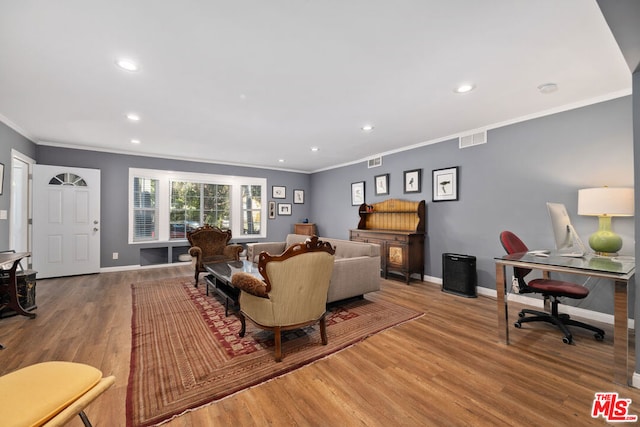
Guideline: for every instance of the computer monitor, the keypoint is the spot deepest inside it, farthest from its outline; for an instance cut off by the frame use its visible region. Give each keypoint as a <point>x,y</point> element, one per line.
<point>568,242</point>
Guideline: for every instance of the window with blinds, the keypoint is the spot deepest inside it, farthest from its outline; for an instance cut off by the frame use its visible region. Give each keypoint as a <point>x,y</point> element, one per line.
<point>166,205</point>
<point>194,204</point>
<point>145,209</point>
<point>251,198</point>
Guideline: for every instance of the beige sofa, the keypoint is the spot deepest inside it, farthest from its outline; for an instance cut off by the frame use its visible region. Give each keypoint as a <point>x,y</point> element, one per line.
<point>356,270</point>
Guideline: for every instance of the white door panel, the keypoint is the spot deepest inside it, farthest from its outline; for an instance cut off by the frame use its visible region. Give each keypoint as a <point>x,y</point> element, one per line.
<point>66,221</point>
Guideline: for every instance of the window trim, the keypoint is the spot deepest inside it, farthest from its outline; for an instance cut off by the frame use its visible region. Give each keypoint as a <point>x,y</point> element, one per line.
<point>164,178</point>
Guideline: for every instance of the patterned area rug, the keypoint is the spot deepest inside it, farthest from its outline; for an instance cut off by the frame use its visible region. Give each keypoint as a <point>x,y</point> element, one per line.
<point>186,353</point>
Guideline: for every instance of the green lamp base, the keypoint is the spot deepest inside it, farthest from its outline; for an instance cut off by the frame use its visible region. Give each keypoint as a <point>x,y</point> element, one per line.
<point>604,241</point>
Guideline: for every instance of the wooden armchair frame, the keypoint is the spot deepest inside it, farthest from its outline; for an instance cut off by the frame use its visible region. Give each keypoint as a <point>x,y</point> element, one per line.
<point>276,301</point>
<point>211,244</point>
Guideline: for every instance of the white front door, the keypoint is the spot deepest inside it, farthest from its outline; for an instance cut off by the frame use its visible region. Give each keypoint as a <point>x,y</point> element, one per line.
<point>66,221</point>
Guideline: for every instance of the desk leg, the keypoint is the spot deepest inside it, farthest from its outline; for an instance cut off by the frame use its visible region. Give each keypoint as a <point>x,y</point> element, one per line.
<point>503,308</point>
<point>621,372</point>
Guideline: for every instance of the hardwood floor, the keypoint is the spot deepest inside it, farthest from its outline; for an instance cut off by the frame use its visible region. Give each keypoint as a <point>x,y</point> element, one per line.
<point>445,368</point>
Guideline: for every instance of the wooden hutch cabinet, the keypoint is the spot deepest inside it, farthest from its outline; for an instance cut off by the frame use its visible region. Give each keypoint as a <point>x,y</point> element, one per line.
<point>398,226</point>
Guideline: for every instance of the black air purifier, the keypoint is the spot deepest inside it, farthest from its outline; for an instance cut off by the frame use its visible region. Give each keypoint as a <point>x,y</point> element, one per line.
<point>459,275</point>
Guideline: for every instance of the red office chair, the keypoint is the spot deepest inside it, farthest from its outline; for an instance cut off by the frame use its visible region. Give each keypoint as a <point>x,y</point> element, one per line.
<point>549,288</point>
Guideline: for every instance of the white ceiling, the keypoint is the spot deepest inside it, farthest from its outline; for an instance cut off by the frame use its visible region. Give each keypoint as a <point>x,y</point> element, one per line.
<point>252,81</point>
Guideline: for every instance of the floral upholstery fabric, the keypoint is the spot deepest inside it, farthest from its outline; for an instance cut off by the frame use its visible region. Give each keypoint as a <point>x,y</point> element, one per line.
<point>211,244</point>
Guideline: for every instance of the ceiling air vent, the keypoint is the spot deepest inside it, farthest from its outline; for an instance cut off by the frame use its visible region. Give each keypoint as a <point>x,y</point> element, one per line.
<point>473,139</point>
<point>375,162</point>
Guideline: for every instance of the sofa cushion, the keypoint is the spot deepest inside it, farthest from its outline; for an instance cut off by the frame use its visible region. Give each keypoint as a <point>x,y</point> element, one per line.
<point>349,249</point>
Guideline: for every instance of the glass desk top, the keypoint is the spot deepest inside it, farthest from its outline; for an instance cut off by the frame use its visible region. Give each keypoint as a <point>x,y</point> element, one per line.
<point>224,270</point>
<point>616,265</point>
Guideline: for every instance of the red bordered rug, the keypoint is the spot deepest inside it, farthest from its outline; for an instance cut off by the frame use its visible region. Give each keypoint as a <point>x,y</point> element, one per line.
<point>186,353</point>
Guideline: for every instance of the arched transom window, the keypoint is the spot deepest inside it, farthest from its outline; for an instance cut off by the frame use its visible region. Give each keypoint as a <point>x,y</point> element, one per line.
<point>68,179</point>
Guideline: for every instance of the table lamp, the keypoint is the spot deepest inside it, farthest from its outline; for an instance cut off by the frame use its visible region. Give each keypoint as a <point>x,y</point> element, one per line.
<point>605,203</point>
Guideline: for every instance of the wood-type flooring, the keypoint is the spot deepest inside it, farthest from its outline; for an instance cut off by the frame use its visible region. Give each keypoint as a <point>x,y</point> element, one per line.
<point>446,368</point>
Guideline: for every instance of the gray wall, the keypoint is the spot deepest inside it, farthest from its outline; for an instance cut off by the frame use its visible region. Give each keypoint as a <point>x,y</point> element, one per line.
<point>10,139</point>
<point>504,184</point>
<point>114,188</point>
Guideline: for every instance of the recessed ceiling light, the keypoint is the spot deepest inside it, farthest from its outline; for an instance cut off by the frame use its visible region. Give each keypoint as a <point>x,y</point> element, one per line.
<point>135,141</point>
<point>548,88</point>
<point>464,88</point>
<point>281,160</point>
<point>133,117</point>
<point>127,64</point>
<point>367,128</point>
<point>315,149</point>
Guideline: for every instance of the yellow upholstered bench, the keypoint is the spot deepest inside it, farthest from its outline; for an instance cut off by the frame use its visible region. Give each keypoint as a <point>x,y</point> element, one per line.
<point>49,393</point>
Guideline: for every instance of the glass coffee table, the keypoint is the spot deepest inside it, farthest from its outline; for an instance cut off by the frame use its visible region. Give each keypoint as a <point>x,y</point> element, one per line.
<point>219,280</point>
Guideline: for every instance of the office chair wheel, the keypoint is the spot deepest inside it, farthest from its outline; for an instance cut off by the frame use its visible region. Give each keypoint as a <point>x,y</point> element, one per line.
<point>567,340</point>
<point>517,325</point>
<point>598,337</point>
<point>521,314</point>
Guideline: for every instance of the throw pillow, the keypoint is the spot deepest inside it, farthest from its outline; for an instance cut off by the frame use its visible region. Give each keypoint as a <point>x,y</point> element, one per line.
<point>250,284</point>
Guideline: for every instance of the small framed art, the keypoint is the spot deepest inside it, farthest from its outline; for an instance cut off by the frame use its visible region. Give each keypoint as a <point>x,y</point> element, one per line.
<point>445,184</point>
<point>278,192</point>
<point>413,181</point>
<point>284,208</point>
<point>298,197</point>
<point>357,193</point>
<point>272,210</point>
<point>382,184</point>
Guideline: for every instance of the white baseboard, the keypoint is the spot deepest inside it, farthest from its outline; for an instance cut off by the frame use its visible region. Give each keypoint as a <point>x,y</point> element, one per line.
<point>539,304</point>
<point>138,267</point>
<point>431,279</point>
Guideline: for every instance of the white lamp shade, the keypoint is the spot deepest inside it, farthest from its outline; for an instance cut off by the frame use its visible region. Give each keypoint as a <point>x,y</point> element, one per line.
<point>605,201</point>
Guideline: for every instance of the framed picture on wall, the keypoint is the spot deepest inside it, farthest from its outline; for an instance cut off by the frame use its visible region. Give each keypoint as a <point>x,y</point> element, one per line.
<point>272,210</point>
<point>298,197</point>
<point>445,184</point>
<point>382,184</point>
<point>1,177</point>
<point>357,193</point>
<point>284,208</point>
<point>278,192</point>
<point>413,181</point>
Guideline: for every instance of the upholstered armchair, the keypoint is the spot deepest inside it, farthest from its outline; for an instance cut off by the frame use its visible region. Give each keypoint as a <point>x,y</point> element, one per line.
<point>211,244</point>
<point>293,293</point>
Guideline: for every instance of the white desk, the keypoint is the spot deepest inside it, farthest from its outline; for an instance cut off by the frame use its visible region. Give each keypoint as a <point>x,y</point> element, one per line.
<point>620,272</point>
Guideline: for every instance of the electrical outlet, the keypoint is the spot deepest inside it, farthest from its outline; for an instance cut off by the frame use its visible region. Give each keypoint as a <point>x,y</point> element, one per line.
<point>115,255</point>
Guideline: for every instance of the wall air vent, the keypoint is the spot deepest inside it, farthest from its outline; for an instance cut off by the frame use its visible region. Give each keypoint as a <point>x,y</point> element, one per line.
<point>375,162</point>
<point>473,139</point>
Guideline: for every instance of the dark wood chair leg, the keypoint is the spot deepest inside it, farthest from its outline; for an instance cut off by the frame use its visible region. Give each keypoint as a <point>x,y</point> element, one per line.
<point>278,343</point>
<point>243,322</point>
<point>323,331</point>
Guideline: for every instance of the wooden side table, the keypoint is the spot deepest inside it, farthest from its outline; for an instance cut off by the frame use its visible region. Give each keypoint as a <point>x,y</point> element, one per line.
<point>308,229</point>
<point>11,261</point>
<point>10,287</point>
